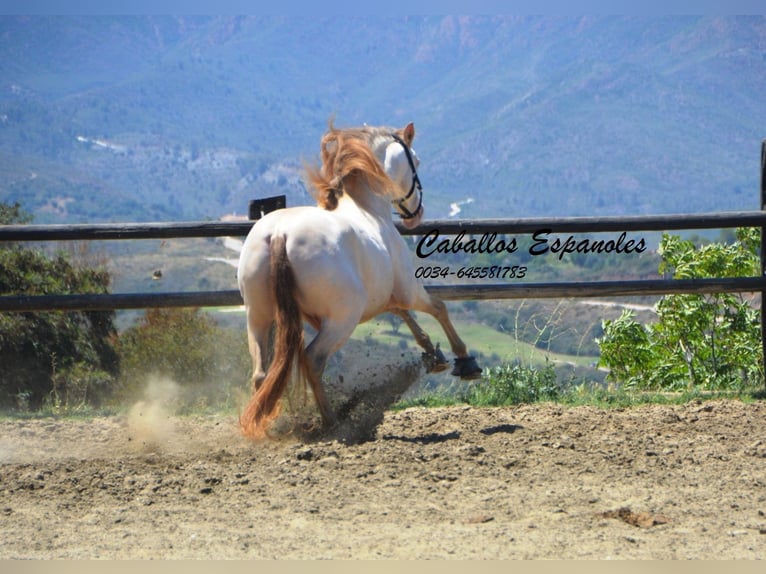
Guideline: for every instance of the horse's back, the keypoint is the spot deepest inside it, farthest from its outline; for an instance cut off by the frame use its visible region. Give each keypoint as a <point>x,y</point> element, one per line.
<point>340,264</point>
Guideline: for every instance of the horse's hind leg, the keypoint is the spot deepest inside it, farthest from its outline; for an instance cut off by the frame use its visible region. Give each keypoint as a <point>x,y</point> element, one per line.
<point>331,336</point>
<point>258,331</point>
<point>433,357</point>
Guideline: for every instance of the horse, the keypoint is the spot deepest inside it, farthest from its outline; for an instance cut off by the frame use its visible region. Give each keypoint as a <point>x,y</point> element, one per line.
<point>335,265</point>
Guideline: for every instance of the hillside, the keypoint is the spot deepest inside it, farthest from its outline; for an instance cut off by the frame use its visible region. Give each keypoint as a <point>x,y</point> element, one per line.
<point>165,118</point>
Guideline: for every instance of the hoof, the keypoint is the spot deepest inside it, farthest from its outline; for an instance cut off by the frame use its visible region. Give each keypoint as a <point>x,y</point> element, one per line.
<point>466,368</point>
<point>435,362</point>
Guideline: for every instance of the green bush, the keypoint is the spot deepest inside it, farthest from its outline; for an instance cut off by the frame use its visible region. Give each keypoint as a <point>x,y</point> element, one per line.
<point>699,341</point>
<point>77,387</point>
<point>39,350</point>
<point>210,365</point>
<point>514,383</point>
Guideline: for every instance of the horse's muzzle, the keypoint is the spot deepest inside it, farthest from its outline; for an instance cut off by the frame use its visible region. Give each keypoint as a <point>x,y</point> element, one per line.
<point>412,222</point>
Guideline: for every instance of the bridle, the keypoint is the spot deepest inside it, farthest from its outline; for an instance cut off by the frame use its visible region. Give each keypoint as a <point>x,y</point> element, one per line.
<point>405,213</point>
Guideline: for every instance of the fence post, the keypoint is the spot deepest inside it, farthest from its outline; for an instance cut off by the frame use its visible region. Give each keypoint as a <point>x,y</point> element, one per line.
<point>257,208</point>
<point>763,255</point>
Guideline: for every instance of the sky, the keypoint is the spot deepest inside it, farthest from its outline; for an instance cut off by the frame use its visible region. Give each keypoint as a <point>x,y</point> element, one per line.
<point>389,8</point>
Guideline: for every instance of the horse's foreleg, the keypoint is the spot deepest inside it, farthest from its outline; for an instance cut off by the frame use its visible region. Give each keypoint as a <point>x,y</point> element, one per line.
<point>433,357</point>
<point>465,365</point>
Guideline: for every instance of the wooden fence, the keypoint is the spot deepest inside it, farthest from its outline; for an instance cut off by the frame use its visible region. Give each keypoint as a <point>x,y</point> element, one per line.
<point>484,290</point>
<point>495,290</point>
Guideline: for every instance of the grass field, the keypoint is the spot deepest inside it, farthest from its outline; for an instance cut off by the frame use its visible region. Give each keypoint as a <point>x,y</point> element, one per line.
<point>479,339</point>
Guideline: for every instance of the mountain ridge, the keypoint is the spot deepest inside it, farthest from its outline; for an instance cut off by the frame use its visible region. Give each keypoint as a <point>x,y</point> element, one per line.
<point>526,116</point>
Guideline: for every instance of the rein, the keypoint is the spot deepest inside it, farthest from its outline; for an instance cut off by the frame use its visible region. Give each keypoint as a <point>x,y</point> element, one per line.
<point>405,213</point>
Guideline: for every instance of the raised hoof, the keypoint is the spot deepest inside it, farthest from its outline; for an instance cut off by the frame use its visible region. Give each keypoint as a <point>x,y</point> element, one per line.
<point>466,368</point>
<point>435,362</point>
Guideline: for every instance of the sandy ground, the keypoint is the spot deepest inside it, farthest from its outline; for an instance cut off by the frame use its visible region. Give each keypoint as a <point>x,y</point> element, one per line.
<point>540,481</point>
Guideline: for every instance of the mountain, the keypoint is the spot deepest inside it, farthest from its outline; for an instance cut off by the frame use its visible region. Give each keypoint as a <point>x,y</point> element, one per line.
<point>179,118</point>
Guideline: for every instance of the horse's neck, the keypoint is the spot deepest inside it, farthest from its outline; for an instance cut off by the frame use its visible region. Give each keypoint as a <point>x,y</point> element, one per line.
<point>369,204</point>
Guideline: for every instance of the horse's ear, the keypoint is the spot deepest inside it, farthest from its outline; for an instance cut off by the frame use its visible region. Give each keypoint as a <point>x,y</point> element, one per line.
<point>409,133</point>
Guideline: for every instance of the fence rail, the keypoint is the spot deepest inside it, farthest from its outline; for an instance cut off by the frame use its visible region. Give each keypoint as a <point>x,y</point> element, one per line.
<point>102,302</point>
<point>115,231</point>
<point>121,231</point>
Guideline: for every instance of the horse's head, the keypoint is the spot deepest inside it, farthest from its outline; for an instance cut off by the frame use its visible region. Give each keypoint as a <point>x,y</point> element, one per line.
<point>401,163</point>
<point>381,157</point>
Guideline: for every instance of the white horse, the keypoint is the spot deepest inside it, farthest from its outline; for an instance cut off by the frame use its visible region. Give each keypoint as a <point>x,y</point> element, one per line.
<point>336,265</point>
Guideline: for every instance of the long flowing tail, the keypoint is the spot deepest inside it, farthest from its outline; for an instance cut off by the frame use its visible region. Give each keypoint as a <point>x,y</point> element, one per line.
<point>264,405</point>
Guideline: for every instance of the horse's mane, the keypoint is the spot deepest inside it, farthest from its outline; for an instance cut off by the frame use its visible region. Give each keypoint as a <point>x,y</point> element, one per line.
<point>347,162</point>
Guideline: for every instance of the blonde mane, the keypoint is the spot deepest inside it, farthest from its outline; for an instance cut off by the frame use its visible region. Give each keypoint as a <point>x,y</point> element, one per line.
<point>347,162</point>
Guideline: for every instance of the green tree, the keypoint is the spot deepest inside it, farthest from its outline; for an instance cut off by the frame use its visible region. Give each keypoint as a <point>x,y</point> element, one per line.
<point>702,341</point>
<point>10,214</point>
<point>66,357</point>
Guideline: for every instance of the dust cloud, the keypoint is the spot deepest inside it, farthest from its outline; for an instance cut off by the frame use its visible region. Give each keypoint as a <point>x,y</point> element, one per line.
<point>151,420</point>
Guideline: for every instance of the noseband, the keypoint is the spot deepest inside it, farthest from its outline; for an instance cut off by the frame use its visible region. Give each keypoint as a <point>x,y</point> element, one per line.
<point>405,213</point>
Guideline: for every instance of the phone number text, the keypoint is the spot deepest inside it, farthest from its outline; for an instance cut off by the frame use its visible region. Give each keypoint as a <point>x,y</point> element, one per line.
<point>476,272</point>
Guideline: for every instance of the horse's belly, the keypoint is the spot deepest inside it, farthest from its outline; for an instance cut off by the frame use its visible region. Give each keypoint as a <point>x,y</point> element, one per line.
<point>334,285</point>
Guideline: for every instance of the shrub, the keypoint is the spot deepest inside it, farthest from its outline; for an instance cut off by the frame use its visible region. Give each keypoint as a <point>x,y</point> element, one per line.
<point>515,383</point>
<point>699,341</point>
<point>38,350</point>
<point>77,387</point>
<point>207,362</point>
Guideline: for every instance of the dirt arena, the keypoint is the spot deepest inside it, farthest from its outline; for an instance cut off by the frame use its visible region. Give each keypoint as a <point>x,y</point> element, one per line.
<point>540,481</point>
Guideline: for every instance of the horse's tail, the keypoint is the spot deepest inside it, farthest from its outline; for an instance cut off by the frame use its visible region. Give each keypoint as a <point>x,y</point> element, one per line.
<point>264,405</point>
